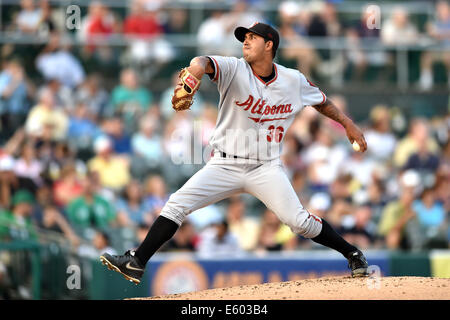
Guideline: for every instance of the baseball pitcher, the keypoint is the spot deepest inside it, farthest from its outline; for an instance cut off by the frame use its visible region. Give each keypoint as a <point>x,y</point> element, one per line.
<point>258,102</point>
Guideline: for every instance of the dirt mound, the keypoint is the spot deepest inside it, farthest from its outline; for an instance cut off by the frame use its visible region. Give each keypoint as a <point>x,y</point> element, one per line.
<point>337,288</point>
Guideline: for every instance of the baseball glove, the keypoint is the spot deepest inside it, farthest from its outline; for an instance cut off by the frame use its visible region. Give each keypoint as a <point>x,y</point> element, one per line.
<point>183,95</point>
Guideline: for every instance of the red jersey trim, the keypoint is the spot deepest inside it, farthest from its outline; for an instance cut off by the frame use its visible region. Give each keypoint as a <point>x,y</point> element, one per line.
<point>275,78</point>
<point>324,97</point>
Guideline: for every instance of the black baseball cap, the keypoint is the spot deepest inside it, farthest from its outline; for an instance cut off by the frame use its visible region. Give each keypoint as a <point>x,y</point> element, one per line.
<point>262,29</point>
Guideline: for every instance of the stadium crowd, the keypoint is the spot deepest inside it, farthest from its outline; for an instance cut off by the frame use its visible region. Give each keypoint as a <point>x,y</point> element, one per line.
<point>94,165</point>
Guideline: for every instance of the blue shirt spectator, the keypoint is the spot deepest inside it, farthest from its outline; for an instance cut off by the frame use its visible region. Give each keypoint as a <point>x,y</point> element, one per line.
<point>146,143</point>
<point>82,130</point>
<point>136,214</point>
<point>423,162</point>
<point>429,216</point>
<point>13,89</point>
<point>131,207</point>
<point>57,62</point>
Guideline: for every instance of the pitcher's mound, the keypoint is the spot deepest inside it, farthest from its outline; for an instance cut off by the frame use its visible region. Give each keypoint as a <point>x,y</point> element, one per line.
<point>342,288</point>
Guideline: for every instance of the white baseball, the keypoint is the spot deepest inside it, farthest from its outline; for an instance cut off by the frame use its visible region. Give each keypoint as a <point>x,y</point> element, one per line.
<point>355,146</point>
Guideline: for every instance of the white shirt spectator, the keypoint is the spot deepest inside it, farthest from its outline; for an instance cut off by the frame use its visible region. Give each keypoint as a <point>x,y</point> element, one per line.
<point>360,169</point>
<point>211,34</point>
<point>380,145</point>
<point>61,65</point>
<point>29,170</point>
<point>29,19</point>
<point>210,246</point>
<point>398,29</point>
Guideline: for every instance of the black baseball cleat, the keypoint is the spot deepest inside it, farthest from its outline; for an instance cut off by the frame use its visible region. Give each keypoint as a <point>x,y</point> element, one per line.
<point>358,264</point>
<point>128,265</point>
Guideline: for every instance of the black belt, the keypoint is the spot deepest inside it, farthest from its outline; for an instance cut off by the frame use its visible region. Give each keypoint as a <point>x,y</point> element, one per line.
<point>224,155</point>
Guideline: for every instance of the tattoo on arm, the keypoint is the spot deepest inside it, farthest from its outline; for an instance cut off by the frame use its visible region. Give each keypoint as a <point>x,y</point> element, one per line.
<point>329,110</point>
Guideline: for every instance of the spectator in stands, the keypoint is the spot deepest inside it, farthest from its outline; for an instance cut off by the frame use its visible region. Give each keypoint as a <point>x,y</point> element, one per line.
<point>29,17</point>
<point>324,158</point>
<point>100,243</point>
<point>317,26</point>
<point>83,130</point>
<point>47,24</point>
<point>16,224</point>
<point>218,241</point>
<point>439,31</point>
<point>92,93</point>
<point>398,213</point>
<point>99,23</point>
<point>398,29</point>
<point>442,188</point>
<point>90,210</point>
<point>330,17</point>
<point>44,199</point>
<point>377,199</point>
<point>185,239</point>
<point>147,147</point>
<point>142,20</point>
<point>8,180</point>
<point>361,168</point>
<point>294,23</point>
<point>245,228</point>
<point>361,33</point>
<point>380,140</point>
<point>360,230</point>
<point>274,235</point>
<point>130,100</point>
<point>340,188</point>
<point>46,120</point>
<point>423,160</point>
<point>432,219</point>
<point>320,173</point>
<point>176,21</point>
<point>113,169</point>
<point>68,187</point>
<point>62,94</point>
<point>54,221</point>
<point>121,141</point>
<point>418,131</point>
<point>144,27</point>
<point>445,158</point>
<point>131,208</point>
<point>156,193</point>
<point>14,105</point>
<point>211,35</point>
<point>355,55</point>
<point>365,26</point>
<point>56,61</point>
<point>28,166</point>
<point>54,157</point>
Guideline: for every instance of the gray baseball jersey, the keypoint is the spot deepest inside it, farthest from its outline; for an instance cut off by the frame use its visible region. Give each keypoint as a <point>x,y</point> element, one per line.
<point>253,115</point>
<point>252,120</point>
